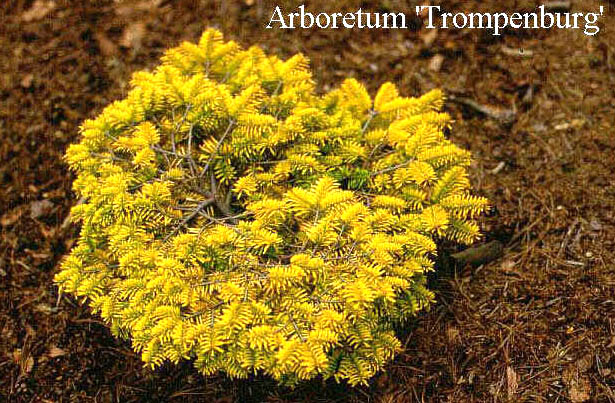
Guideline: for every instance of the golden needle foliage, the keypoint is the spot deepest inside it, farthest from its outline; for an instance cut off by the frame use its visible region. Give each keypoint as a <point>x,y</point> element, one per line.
<point>235,217</point>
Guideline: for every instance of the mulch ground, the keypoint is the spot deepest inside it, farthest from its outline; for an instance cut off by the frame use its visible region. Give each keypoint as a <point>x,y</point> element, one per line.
<point>538,324</point>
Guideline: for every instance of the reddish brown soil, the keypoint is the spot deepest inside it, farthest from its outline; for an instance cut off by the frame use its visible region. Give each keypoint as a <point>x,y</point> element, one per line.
<point>536,325</point>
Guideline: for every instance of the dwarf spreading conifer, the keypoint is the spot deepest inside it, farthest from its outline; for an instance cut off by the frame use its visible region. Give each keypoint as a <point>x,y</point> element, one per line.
<point>235,217</point>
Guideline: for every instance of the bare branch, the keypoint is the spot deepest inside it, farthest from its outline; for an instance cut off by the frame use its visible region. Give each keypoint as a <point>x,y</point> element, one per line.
<point>196,211</point>
<point>213,154</point>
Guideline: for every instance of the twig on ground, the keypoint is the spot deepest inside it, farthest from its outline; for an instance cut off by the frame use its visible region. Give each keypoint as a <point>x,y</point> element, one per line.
<point>498,168</point>
<point>558,5</point>
<point>564,243</point>
<point>505,116</point>
<point>517,52</point>
<point>480,255</point>
<point>526,229</point>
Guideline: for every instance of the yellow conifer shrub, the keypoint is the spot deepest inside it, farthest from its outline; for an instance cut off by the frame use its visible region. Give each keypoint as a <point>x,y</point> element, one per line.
<point>235,217</point>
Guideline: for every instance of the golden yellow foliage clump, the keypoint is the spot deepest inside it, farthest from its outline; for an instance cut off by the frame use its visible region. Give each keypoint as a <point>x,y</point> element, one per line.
<point>235,217</point>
